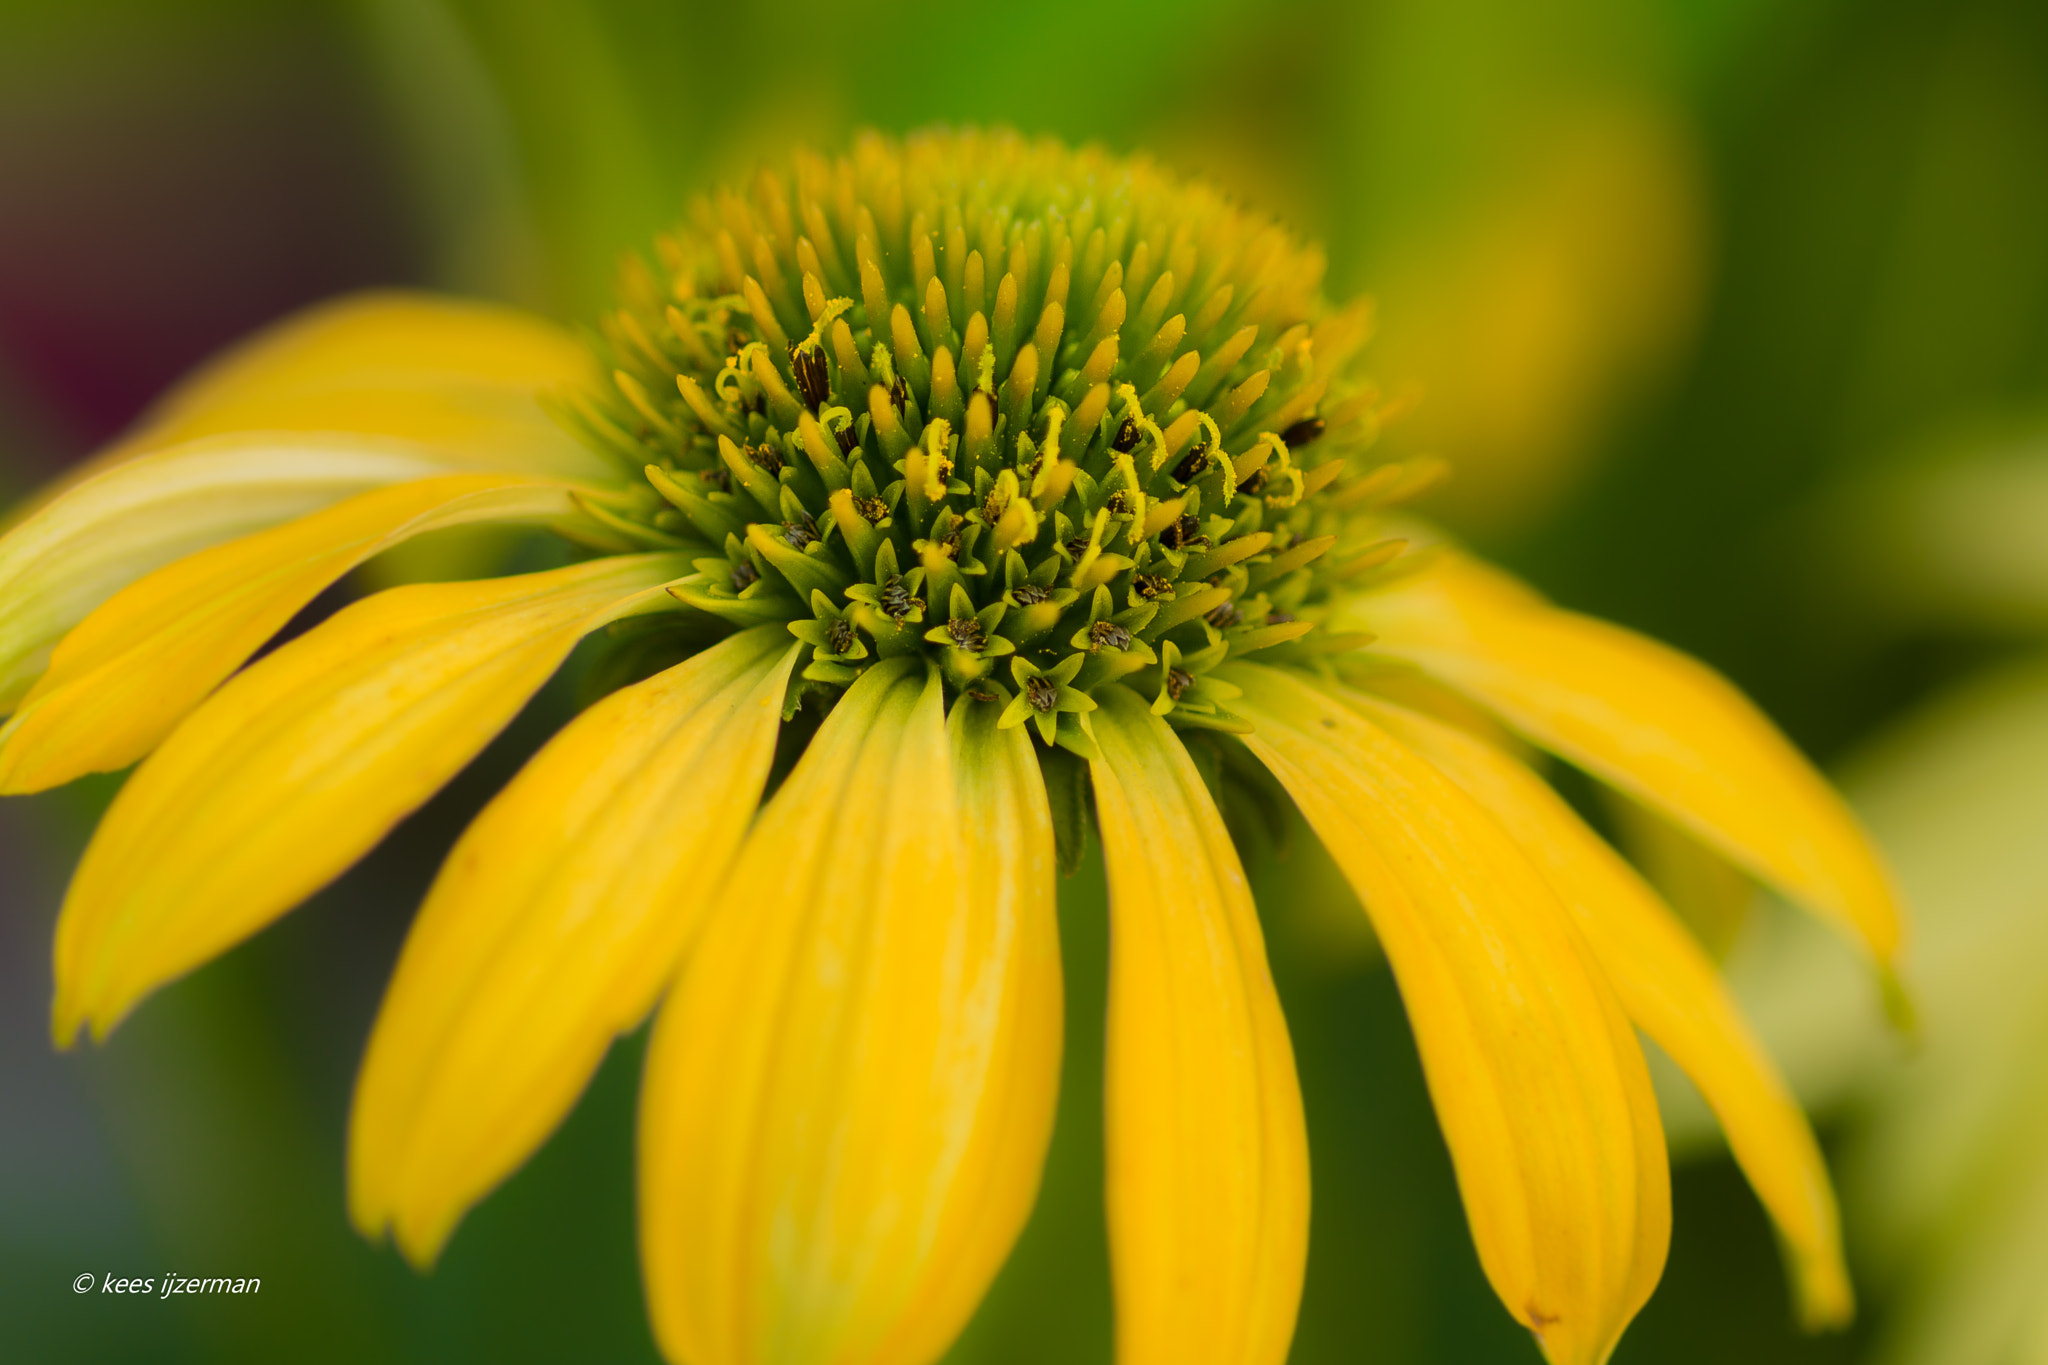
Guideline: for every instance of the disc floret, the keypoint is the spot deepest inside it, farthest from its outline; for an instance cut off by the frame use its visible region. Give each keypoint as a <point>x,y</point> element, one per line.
<point>1051,418</point>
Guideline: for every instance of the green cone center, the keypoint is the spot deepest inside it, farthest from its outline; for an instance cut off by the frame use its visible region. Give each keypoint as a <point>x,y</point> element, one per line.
<point>1052,418</point>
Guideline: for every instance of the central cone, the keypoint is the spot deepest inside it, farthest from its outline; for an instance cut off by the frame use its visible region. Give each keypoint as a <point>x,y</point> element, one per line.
<point>1053,418</point>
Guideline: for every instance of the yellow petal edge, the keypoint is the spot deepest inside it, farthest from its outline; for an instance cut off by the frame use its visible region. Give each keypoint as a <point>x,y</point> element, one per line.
<point>346,396</point>
<point>458,375</point>
<point>849,1091</point>
<point>1669,987</point>
<point>1207,1150</point>
<point>555,922</point>
<point>301,763</point>
<point>1536,1076</point>
<point>81,548</point>
<point>129,672</point>
<point>462,376</point>
<point>1660,726</point>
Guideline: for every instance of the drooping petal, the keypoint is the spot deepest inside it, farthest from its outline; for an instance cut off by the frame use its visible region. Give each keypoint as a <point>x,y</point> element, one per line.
<point>348,396</point>
<point>1007,827</point>
<point>848,1092</point>
<point>551,929</point>
<point>299,765</point>
<point>100,535</point>
<point>1536,1077</point>
<point>1660,726</point>
<point>460,376</point>
<point>1668,986</point>
<point>129,672</point>
<point>1207,1149</point>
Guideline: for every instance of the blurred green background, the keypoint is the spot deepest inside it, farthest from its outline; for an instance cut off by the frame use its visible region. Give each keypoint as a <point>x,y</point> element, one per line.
<point>1664,273</point>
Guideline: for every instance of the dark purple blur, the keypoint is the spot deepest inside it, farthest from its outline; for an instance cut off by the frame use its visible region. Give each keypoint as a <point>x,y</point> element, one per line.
<point>158,210</point>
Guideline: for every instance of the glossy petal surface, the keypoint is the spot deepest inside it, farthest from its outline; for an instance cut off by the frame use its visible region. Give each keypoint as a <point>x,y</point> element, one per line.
<point>457,375</point>
<point>1535,1073</point>
<point>1668,986</point>
<point>301,763</point>
<point>133,518</point>
<point>847,1094</point>
<point>129,672</point>
<point>344,397</point>
<point>1207,1148</point>
<point>1662,727</point>
<point>555,922</point>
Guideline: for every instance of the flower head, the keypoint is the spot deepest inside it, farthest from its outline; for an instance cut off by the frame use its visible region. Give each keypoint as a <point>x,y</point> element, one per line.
<point>970,448</point>
<point>978,397</point>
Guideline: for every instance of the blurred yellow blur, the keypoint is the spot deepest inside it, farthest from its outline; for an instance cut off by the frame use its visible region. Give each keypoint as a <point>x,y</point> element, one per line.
<point>1570,286</point>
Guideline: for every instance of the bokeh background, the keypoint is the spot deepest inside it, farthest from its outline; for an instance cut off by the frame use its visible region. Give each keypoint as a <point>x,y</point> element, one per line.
<point>1689,291</point>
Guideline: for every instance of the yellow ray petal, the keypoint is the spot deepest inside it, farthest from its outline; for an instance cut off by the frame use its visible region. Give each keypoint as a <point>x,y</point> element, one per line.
<point>79,549</point>
<point>458,375</point>
<point>1662,727</point>
<point>128,673</point>
<point>556,920</point>
<point>1207,1153</point>
<point>1668,986</point>
<point>848,1093</point>
<point>1536,1077</point>
<point>1006,825</point>
<point>299,765</point>
<point>364,391</point>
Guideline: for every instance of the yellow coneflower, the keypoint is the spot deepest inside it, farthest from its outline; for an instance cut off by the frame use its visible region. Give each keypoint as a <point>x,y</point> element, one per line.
<point>992,469</point>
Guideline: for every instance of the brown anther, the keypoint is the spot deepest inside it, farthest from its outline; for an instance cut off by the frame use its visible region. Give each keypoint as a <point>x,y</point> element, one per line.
<point>744,576</point>
<point>721,479</point>
<point>1280,618</point>
<point>1126,439</point>
<point>797,534</point>
<point>1029,594</point>
<point>1253,482</point>
<point>765,458</point>
<point>948,544</point>
<point>848,442</point>
<point>1077,547</point>
<point>1225,616</point>
<point>1151,585</point>
<point>966,633</point>
<point>1192,464</point>
<point>1183,534</point>
<point>899,393</point>
<point>839,636</point>
<point>1108,634</point>
<point>808,361</point>
<point>896,599</point>
<point>1043,692</point>
<point>993,507</point>
<point>872,510</point>
<point>1178,681</point>
<point>1121,504</point>
<point>976,694</point>
<point>1303,432</point>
